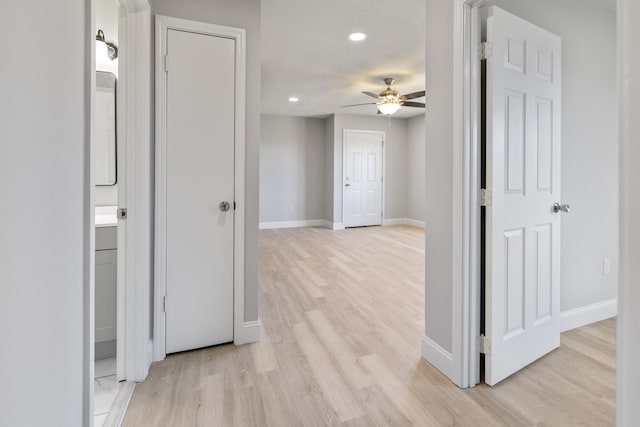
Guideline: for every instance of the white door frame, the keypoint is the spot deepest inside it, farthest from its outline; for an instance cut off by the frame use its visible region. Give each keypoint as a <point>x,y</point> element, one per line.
<point>163,24</point>
<point>344,166</point>
<point>134,119</point>
<point>134,133</point>
<point>465,361</point>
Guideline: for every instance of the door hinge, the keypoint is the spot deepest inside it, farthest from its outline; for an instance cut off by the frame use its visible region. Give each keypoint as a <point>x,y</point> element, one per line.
<point>122,213</point>
<point>166,62</point>
<point>485,197</point>
<point>484,345</point>
<point>164,303</point>
<point>486,49</point>
<point>382,179</point>
<point>234,206</point>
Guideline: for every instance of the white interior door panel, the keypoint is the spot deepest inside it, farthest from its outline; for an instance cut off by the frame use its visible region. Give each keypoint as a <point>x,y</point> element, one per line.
<point>523,176</point>
<point>362,178</point>
<point>199,176</point>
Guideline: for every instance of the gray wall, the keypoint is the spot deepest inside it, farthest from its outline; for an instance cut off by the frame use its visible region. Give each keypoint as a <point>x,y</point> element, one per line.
<point>589,143</point>
<point>301,166</point>
<point>589,152</point>
<point>292,155</point>
<point>240,14</point>
<point>329,134</point>
<point>395,175</point>
<point>46,206</point>
<point>415,168</point>
<point>628,345</point>
<point>438,176</point>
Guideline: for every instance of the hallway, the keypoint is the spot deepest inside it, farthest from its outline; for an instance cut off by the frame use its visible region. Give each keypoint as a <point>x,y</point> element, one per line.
<point>342,318</point>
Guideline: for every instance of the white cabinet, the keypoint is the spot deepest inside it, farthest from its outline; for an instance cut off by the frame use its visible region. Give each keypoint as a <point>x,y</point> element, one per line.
<point>105,294</point>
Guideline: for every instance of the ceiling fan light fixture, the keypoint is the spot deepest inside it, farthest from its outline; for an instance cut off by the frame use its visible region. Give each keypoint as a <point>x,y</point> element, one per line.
<point>357,37</point>
<point>388,108</point>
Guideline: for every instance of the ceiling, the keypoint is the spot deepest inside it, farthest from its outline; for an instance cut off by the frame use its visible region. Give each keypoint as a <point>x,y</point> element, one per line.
<point>306,53</point>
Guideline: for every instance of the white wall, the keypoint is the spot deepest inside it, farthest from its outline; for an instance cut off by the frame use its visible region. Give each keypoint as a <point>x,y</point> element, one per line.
<point>395,175</point>
<point>292,155</point>
<point>416,168</point>
<point>628,349</point>
<point>45,229</point>
<point>239,14</point>
<point>589,148</point>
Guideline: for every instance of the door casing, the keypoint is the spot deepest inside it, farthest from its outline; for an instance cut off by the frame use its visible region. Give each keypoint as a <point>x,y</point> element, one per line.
<point>163,24</point>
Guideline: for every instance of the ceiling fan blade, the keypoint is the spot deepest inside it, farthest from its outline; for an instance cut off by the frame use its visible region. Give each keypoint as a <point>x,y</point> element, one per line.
<point>371,94</point>
<point>413,104</point>
<point>414,95</point>
<point>356,105</point>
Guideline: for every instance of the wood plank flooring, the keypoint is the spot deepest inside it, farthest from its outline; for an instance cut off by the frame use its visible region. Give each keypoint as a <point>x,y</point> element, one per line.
<point>342,318</point>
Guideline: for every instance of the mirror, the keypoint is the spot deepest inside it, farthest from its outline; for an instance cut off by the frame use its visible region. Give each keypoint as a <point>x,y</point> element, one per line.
<point>104,149</point>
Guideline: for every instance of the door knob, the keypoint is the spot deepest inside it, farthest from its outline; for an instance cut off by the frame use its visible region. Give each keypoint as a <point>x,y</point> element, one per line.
<point>224,206</point>
<point>347,185</point>
<point>557,207</point>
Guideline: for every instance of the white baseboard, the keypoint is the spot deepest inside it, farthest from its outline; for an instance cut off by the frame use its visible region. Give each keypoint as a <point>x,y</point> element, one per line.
<point>402,221</point>
<point>337,226</point>
<point>393,221</point>
<point>592,313</point>
<point>250,333</point>
<point>295,224</point>
<point>437,356</point>
<point>415,223</point>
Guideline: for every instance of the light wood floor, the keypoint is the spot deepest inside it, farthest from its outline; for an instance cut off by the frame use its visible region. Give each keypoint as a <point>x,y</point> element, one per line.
<point>342,319</point>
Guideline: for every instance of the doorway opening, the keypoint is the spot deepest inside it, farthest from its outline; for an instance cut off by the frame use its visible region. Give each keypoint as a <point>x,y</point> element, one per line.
<point>575,307</point>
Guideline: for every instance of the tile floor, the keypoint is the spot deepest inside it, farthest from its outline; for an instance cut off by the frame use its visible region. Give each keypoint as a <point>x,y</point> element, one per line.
<point>106,389</point>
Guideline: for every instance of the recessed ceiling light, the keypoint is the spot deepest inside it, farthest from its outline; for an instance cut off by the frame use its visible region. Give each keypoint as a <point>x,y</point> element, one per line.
<point>357,37</point>
<point>294,99</point>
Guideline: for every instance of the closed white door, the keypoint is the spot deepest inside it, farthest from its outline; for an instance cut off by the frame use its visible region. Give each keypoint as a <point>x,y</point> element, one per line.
<point>523,176</point>
<point>200,106</point>
<point>362,191</point>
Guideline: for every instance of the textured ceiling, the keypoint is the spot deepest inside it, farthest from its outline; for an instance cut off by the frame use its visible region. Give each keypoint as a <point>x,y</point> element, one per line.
<point>306,53</point>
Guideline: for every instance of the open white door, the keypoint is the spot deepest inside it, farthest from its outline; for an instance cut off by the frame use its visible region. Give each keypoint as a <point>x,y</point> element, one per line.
<point>362,195</point>
<point>523,180</point>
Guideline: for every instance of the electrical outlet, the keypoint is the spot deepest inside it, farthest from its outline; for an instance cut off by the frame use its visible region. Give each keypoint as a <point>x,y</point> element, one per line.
<point>292,209</point>
<point>606,266</point>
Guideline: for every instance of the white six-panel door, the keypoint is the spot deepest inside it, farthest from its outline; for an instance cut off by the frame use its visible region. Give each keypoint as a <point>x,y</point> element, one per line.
<point>523,176</point>
<point>362,191</point>
<point>200,113</point>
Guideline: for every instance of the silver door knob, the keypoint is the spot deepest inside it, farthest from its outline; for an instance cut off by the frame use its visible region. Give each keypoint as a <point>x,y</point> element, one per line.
<point>557,207</point>
<point>224,206</point>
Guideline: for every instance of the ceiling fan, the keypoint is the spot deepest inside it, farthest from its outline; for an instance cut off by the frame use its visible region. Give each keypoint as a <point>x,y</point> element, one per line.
<point>389,102</point>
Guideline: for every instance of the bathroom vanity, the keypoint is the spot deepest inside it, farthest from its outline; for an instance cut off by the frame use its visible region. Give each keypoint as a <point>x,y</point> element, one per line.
<point>105,284</point>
